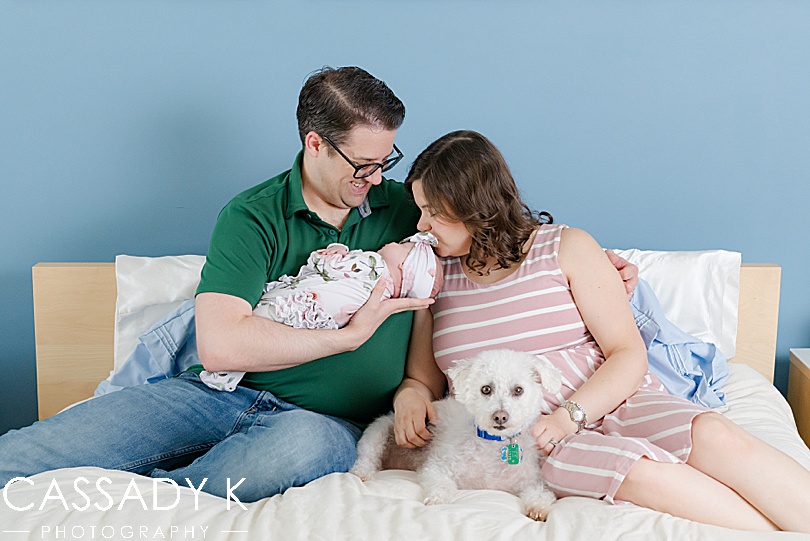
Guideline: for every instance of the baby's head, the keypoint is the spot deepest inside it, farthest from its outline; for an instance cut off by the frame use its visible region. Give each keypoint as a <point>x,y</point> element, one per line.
<point>415,270</point>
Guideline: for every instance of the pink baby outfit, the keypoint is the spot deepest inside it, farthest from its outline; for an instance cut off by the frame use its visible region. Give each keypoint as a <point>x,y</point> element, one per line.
<point>533,310</point>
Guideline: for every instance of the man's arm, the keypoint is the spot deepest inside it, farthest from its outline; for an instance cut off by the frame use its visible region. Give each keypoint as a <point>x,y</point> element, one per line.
<point>230,337</point>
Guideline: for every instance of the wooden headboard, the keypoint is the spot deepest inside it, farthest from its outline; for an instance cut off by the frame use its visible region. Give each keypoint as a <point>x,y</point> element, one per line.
<point>74,317</point>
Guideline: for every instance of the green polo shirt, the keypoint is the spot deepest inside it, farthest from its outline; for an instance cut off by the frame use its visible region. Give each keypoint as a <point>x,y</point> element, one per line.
<point>267,231</point>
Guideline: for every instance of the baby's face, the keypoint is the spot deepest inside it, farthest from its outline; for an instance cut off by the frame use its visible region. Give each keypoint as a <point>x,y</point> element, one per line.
<point>394,255</point>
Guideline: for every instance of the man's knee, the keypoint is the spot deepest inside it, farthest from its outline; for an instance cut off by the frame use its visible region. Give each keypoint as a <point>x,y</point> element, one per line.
<point>324,443</point>
<point>296,447</point>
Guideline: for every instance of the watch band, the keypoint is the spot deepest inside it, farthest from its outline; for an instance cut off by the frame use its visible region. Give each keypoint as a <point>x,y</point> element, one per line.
<point>576,413</point>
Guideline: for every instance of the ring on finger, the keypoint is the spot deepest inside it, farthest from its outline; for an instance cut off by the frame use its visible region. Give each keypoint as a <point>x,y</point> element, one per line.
<point>553,442</point>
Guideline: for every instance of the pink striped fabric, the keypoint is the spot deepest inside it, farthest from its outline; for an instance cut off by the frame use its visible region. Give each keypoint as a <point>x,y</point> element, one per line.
<point>533,310</point>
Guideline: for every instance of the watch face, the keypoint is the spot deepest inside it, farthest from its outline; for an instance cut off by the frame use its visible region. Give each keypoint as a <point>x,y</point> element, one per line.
<point>578,416</point>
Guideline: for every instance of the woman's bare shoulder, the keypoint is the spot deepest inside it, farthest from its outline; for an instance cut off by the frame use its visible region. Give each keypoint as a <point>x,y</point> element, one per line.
<point>578,249</point>
<point>575,239</point>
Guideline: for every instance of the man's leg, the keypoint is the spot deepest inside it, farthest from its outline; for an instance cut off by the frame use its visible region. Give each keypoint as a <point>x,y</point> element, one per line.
<point>272,451</point>
<point>166,424</point>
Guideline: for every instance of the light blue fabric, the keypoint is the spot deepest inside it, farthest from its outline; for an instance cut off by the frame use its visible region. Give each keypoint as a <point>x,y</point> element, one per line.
<point>687,366</point>
<point>166,349</point>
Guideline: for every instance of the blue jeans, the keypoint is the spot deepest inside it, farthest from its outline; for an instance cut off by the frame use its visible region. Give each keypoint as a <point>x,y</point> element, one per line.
<point>179,428</point>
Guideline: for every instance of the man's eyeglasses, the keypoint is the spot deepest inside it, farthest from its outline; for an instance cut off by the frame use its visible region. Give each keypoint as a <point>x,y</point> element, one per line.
<point>368,169</point>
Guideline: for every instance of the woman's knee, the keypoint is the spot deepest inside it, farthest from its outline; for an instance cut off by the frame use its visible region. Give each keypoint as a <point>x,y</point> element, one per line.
<point>713,436</point>
<point>719,444</point>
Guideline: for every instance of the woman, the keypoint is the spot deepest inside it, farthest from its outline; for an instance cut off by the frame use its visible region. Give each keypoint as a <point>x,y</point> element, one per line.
<point>515,280</point>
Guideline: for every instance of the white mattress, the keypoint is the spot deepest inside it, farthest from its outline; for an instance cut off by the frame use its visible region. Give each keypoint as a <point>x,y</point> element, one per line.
<point>340,506</point>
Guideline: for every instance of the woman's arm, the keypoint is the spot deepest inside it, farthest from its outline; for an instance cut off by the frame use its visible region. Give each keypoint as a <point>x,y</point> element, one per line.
<point>601,299</point>
<point>423,383</point>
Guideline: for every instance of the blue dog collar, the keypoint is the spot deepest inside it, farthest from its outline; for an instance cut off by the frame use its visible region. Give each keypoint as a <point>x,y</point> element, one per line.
<point>512,453</point>
<point>487,436</point>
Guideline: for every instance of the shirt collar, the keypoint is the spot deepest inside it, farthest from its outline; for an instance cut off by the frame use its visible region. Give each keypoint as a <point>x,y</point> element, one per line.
<point>295,195</point>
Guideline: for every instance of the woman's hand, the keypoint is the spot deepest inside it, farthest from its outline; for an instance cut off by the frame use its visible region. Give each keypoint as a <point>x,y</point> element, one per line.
<point>411,413</point>
<point>549,430</point>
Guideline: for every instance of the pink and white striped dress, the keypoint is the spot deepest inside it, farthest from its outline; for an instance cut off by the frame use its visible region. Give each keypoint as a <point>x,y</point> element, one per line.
<point>533,310</point>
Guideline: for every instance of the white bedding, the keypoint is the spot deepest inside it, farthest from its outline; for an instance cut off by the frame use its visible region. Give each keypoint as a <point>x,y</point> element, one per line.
<point>340,506</point>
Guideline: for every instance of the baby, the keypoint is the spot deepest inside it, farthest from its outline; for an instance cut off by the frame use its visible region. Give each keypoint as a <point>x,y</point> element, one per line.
<point>336,282</point>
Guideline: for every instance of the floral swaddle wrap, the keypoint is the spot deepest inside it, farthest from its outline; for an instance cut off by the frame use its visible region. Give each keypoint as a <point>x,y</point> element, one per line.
<point>332,286</point>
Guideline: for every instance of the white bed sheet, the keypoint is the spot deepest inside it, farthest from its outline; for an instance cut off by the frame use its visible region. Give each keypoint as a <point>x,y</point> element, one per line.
<point>340,506</point>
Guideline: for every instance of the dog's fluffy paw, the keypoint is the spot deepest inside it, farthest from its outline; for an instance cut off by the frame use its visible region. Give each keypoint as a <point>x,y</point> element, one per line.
<point>363,474</point>
<point>434,500</point>
<point>541,505</point>
<point>537,513</point>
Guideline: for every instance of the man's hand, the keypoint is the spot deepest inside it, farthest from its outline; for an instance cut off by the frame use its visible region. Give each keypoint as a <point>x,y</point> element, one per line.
<point>411,413</point>
<point>627,271</point>
<point>372,314</point>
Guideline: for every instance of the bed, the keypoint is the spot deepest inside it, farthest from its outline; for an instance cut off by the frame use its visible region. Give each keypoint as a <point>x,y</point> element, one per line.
<point>76,319</point>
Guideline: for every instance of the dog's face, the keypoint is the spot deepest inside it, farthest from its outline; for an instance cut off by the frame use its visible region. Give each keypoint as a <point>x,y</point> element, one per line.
<point>503,389</point>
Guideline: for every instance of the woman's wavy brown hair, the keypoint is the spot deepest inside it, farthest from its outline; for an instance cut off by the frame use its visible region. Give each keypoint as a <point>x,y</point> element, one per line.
<point>465,178</point>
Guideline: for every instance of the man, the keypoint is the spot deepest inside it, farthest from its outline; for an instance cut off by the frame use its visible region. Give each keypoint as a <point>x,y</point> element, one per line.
<point>298,412</point>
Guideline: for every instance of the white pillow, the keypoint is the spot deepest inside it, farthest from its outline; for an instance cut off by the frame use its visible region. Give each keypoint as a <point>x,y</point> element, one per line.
<point>149,288</point>
<point>699,291</point>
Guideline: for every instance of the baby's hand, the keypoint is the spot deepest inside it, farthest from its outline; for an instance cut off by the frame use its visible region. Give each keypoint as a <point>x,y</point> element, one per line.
<point>334,249</point>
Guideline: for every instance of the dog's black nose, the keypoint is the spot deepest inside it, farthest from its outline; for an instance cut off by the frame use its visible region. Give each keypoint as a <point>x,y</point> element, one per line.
<point>500,417</point>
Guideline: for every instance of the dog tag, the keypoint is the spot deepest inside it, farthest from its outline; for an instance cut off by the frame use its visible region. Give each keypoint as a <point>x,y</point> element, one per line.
<point>512,453</point>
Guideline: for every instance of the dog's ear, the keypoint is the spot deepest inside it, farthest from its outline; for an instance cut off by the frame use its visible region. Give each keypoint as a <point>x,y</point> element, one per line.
<point>459,375</point>
<point>549,375</point>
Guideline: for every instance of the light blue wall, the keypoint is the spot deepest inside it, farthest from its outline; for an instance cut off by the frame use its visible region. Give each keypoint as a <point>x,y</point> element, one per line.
<point>125,126</point>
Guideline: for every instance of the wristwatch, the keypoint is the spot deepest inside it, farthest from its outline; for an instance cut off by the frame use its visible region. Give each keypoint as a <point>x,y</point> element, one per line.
<point>577,414</point>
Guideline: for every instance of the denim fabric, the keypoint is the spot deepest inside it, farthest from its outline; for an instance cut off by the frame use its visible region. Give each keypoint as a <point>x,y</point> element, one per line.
<point>165,350</point>
<point>687,366</point>
<point>179,428</point>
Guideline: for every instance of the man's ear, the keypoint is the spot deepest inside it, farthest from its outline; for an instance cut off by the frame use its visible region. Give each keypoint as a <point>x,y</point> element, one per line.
<point>459,375</point>
<point>313,144</point>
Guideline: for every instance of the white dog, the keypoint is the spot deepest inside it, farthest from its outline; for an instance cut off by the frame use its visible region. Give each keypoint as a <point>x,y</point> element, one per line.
<point>482,439</point>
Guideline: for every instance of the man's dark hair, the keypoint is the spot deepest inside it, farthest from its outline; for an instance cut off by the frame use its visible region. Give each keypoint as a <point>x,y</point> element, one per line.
<point>335,100</point>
